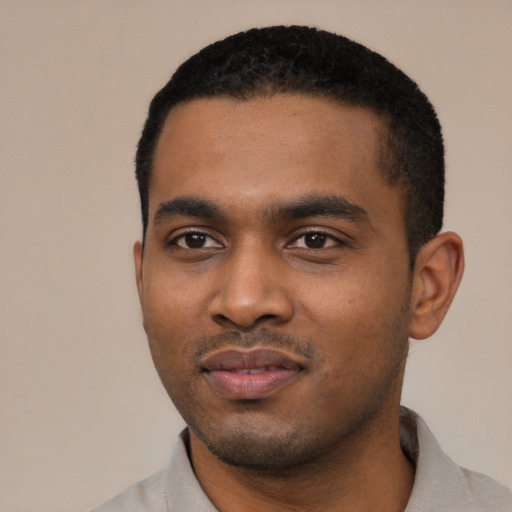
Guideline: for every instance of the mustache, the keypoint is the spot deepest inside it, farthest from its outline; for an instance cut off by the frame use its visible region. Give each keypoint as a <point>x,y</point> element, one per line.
<point>263,337</point>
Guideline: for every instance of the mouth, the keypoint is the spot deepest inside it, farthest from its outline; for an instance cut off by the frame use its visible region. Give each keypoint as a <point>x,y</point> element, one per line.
<point>250,375</point>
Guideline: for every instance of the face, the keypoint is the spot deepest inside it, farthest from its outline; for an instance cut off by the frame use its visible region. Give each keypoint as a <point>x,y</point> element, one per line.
<point>275,280</point>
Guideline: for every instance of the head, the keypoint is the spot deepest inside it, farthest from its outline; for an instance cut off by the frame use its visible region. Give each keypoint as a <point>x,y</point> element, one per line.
<point>276,60</point>
<point>286,187</point>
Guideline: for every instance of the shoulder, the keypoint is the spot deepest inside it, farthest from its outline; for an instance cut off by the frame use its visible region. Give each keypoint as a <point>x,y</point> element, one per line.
<point>441,484</point>
<point>486,493</point>
<point>148,495</point>
<point>174,489</point>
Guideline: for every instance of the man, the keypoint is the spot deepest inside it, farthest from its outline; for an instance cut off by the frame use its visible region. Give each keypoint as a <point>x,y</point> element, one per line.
<point>292,187</point>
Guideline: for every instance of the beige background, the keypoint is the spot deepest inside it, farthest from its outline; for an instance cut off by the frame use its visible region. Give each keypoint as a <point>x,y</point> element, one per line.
<point>83,414</point>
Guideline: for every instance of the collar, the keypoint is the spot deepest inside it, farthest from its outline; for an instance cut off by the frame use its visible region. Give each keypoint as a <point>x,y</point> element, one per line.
<point>439,484</point>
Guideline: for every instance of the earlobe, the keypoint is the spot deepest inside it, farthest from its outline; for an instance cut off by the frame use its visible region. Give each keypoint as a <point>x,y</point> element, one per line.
<point>137,258</point>
<point>437,274</point>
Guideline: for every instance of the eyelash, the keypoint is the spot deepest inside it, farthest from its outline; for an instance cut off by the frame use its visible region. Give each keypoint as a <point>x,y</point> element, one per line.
<point>339,242</point>
<point>174,241</point>
<point>326,237</point>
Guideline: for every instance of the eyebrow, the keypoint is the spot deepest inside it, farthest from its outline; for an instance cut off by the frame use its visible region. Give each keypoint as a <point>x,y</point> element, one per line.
<point>309,206</point>
<point>188,207</point>
<point>321,206</point>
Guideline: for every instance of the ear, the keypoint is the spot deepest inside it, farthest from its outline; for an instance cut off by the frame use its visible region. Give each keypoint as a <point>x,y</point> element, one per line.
<point>437,274</point>
<point>137,258</point>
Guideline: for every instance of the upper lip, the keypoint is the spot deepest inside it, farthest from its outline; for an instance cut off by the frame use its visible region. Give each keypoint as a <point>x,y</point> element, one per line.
<point>236,359</point>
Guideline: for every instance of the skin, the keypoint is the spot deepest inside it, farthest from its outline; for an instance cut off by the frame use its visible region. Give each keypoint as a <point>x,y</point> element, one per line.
<point>245,249</point>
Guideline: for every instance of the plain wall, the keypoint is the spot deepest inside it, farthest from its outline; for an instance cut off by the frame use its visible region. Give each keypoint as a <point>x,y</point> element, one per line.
<point>83,413</point>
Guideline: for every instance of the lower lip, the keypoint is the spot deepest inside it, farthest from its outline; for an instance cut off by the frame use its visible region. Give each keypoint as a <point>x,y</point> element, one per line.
<point>250,386</point>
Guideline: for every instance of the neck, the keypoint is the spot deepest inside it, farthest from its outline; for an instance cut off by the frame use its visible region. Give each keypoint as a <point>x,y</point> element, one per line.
<point>368,472</point>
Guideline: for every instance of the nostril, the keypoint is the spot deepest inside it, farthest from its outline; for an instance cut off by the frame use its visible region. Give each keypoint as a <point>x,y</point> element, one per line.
<point>267,317</point>
<point>221,319</point>
<point>245,323</point>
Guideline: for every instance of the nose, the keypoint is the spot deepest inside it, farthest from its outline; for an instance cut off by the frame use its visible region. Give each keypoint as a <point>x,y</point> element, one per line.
<point>250,289</point>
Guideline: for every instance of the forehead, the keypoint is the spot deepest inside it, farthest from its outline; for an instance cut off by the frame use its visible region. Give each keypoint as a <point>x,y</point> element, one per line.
<point>255,151</point>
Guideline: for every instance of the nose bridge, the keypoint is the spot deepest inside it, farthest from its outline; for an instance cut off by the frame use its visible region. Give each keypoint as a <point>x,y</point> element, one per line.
<point>250,287</point>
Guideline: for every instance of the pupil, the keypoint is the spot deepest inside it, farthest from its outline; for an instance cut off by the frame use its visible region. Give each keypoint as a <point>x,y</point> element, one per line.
<point>315,240</point>
<point>195,240</point>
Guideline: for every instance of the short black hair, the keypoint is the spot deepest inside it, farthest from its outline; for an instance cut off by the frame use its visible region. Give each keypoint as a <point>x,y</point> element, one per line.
<point>294,59</point>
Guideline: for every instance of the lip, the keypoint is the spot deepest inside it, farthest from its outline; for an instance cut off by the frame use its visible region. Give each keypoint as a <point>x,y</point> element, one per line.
<point>250,375</point>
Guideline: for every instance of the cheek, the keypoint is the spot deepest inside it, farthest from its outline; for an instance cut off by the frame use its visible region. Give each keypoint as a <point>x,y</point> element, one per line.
<point>358,317</point>
<point>172,299</point>
<point>171,323</point>
<point>349,301</point>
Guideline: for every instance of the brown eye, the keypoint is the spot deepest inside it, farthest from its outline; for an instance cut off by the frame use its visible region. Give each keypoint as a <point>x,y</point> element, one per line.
<point>315,240</point>
<point>195,240</point>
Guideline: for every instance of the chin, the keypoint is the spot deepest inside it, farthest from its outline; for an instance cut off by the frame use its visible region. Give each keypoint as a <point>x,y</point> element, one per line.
<point>272,448</point>
<point>274,452</point>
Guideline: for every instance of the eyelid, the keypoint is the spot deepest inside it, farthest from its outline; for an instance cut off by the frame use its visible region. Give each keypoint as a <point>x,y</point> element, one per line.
<point>182,232</point>
<point>340,238</point>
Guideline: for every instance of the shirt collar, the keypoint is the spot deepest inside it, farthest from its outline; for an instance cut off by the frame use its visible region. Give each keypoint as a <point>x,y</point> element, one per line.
<point>439,483</point>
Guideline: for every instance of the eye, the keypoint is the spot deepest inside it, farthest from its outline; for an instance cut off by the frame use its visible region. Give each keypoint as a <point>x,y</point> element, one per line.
<point>315,240</point>
<point>194,240</point>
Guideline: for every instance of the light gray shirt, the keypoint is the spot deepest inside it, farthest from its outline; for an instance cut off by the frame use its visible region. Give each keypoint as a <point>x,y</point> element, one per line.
<point>439,484</point>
